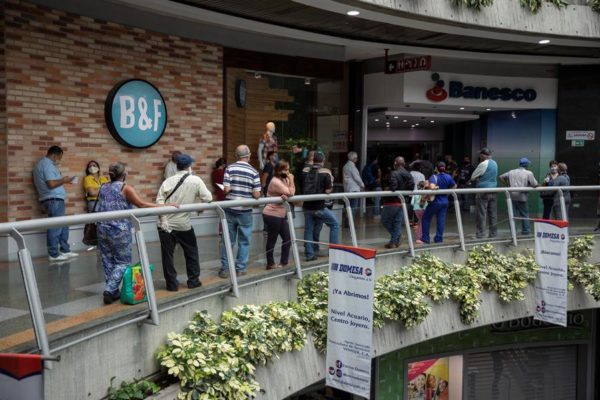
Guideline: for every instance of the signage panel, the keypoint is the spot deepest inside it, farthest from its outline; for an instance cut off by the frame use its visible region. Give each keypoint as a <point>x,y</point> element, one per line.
<point>408,64</point>
<point>581,135</point>
<point>551,245</point>
<point>135,113</point>
<point>21,376</point>
<point>480,91</point>
<point>350,319</point>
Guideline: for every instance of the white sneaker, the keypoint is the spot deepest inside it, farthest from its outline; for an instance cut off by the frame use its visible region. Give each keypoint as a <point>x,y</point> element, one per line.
<point>70,254</point>
<point>59,257</point>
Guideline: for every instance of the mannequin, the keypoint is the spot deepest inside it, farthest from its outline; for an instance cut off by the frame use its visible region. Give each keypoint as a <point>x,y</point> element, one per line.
<point>267,143</point>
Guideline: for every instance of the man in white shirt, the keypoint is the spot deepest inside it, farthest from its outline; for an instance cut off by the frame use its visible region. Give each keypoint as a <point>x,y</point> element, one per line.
<point>173,229</point>
<point>352,180</point>
<point>520,177</point>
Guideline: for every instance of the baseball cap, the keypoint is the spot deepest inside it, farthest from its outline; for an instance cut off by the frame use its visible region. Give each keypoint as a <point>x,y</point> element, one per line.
<point>524,161</point>
<point>441,165</point>
<point>184,161</point>
<point>486,150</point>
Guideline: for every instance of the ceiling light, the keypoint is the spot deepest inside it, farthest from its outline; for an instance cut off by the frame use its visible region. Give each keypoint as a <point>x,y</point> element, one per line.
<point>412,126</point>
<point>257,75</point>
<point>416,124</point>
<point>513,114</point>
<point>488,109</point>
<point>395,117</point>
<point>404,120</point>
<point>462,108</point>
<point>544,41</point>
<point>353,13</point>
<point>432,121</point>
<point>376,119</point>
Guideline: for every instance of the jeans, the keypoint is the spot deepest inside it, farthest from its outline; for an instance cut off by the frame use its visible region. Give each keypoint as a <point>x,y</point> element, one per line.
<point>391,218</point>
<point>439,210</point>
<point>56,238</point>
<point>521,210</point>
<point>313,223</point>
<point>187,241</point>
<point>240,229</point>
<point>465,201</point>
<point>486,211</point>
<point>548,202</point>
<point>377,203</point>
<point>277,226</point>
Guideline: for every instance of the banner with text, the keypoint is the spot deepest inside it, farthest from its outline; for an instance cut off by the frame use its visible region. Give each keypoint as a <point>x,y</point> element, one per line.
<point>350,319</point>
<point>551,245</point>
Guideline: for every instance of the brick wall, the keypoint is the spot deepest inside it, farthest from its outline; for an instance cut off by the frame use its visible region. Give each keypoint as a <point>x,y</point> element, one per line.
<point>59,69</point>
<point>3,149</point>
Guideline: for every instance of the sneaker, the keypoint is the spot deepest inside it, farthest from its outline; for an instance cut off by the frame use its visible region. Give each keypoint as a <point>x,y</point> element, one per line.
<point>70,254</point>
<point>59,257</point>
<point>194,285</point>
<point>110,298</point>
<point>281,266</point>
<point>419,241</point>
<point>312,258</point>
<point>272,266</point>
<point>241,273</point>
<point>223,274</point>
<point>391,245</point>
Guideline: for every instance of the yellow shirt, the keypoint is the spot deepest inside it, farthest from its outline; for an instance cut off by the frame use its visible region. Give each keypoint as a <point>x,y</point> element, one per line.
<point>90,182</point>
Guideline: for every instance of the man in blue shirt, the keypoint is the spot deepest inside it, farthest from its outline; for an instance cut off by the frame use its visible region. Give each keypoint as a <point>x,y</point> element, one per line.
<point>49,183</point>
<point>439,206</point>
<point>486,175</point>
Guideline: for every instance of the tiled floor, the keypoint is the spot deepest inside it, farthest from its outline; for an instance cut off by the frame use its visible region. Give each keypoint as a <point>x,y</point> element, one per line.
<point>74,288</point>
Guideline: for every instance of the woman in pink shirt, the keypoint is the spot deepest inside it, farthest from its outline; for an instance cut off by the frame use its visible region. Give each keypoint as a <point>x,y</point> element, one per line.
<point>274,216</point>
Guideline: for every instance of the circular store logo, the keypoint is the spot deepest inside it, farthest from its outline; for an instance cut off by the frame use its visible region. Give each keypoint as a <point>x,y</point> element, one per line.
<point>437,93</point>
<point>135,113</point>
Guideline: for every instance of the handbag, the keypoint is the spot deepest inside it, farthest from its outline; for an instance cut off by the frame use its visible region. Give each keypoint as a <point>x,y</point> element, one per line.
<point>90,235</point>
<point>133,290</point>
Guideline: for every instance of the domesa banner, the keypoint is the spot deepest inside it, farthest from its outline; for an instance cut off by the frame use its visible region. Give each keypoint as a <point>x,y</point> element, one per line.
<point>551,245</point>
<point>350,319</point>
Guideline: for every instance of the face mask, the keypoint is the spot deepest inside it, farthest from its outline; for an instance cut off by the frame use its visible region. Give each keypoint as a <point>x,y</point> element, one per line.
<point>93,169</point>
<point>283,175</point>
<point>554,170</point>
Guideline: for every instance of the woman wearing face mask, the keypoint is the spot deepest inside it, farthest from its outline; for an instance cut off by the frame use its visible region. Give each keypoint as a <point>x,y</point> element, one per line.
<point>548,197</point>
<point>114,236</point>
<point>92,182</point>
<point>274,216</point>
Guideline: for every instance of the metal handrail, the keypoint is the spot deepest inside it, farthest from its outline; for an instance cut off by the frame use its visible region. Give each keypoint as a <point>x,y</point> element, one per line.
<point>15,230</point>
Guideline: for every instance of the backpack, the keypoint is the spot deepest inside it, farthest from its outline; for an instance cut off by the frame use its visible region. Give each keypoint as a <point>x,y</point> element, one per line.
<point>310,181</point>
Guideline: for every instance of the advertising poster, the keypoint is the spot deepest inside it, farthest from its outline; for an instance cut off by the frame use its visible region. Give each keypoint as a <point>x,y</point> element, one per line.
<point>21,376</point>
<point>428,379</point>
<point>551,243</point>
<point>350,319</point>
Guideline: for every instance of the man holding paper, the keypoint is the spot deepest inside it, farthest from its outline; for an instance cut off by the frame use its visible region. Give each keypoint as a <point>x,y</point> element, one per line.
<point>49,184</point>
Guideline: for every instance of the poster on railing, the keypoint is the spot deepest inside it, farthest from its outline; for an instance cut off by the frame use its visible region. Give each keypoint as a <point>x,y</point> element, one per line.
<point>21,376</point>
<point>350,319</point>
<point>551,245</point>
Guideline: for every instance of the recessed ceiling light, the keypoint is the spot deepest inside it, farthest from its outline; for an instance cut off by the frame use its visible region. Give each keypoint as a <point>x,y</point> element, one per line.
<point>416,124</point>
<point>544,41</point>
<point>395,117</point>
<point>353,13</point>
<point>376,119</point>
<point>404,120</point>
<point>488,109</point>
<point>412,126</point>
<point>462,108</point>
<point>432,121</point>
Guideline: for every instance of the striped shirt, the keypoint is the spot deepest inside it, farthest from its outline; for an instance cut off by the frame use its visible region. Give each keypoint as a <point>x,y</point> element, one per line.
<point>241,179</point>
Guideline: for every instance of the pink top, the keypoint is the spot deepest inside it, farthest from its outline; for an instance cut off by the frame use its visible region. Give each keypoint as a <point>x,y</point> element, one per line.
<point>277,187</point>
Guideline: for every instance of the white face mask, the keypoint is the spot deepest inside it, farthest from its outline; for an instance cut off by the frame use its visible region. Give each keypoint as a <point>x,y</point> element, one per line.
<point>93,169</point>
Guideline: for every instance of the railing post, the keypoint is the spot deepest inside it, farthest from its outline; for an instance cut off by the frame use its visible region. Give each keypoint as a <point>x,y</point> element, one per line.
<point>461,232</point>
<point>563,207</point>
<point>227,243</point>
<point>33,295</point>
<point>511,218</point>
<point>350,221</point>
<point>411,245</point>
<point>295,253</point>
<point>145,262</point>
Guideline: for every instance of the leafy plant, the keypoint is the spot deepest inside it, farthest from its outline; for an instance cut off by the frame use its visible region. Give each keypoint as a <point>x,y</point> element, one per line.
<point>474,4</point>
<point>595,4</point>
<point>136,390</point>
<point>535,5</point>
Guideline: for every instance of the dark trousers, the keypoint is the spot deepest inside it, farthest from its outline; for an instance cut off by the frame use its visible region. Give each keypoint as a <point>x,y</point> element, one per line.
<point>275,227</point>
<point>548,202</point>
<point>187,241</point>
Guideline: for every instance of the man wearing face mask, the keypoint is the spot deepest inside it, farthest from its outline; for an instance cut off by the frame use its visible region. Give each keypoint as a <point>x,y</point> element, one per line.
<point>181,188</point>
<point>268,143</point>
<point>49,183</point>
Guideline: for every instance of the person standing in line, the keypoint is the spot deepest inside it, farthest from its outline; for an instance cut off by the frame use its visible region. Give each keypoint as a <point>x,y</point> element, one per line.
<point>91,183</point>
<point>267,143</point>
<point>268,170</point>
<point>274,215</point>
<point>419,204</point>
<point>317,180</point>
<point>114,236</point>
<point>520,177</point>
<point>485,176</point>
<point>548,197</point>
<point>171,166</point>
<point>439,206</point>
<point>241,182</point>
<point>173,229</point>
<point>391,215</point>
<point>352,181</point>
<point>49,184</point>
<point>561,180</point>
<point>216,178</point>
<point>451,166</point>
<point>463,181</point>
<point>371,177</point>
